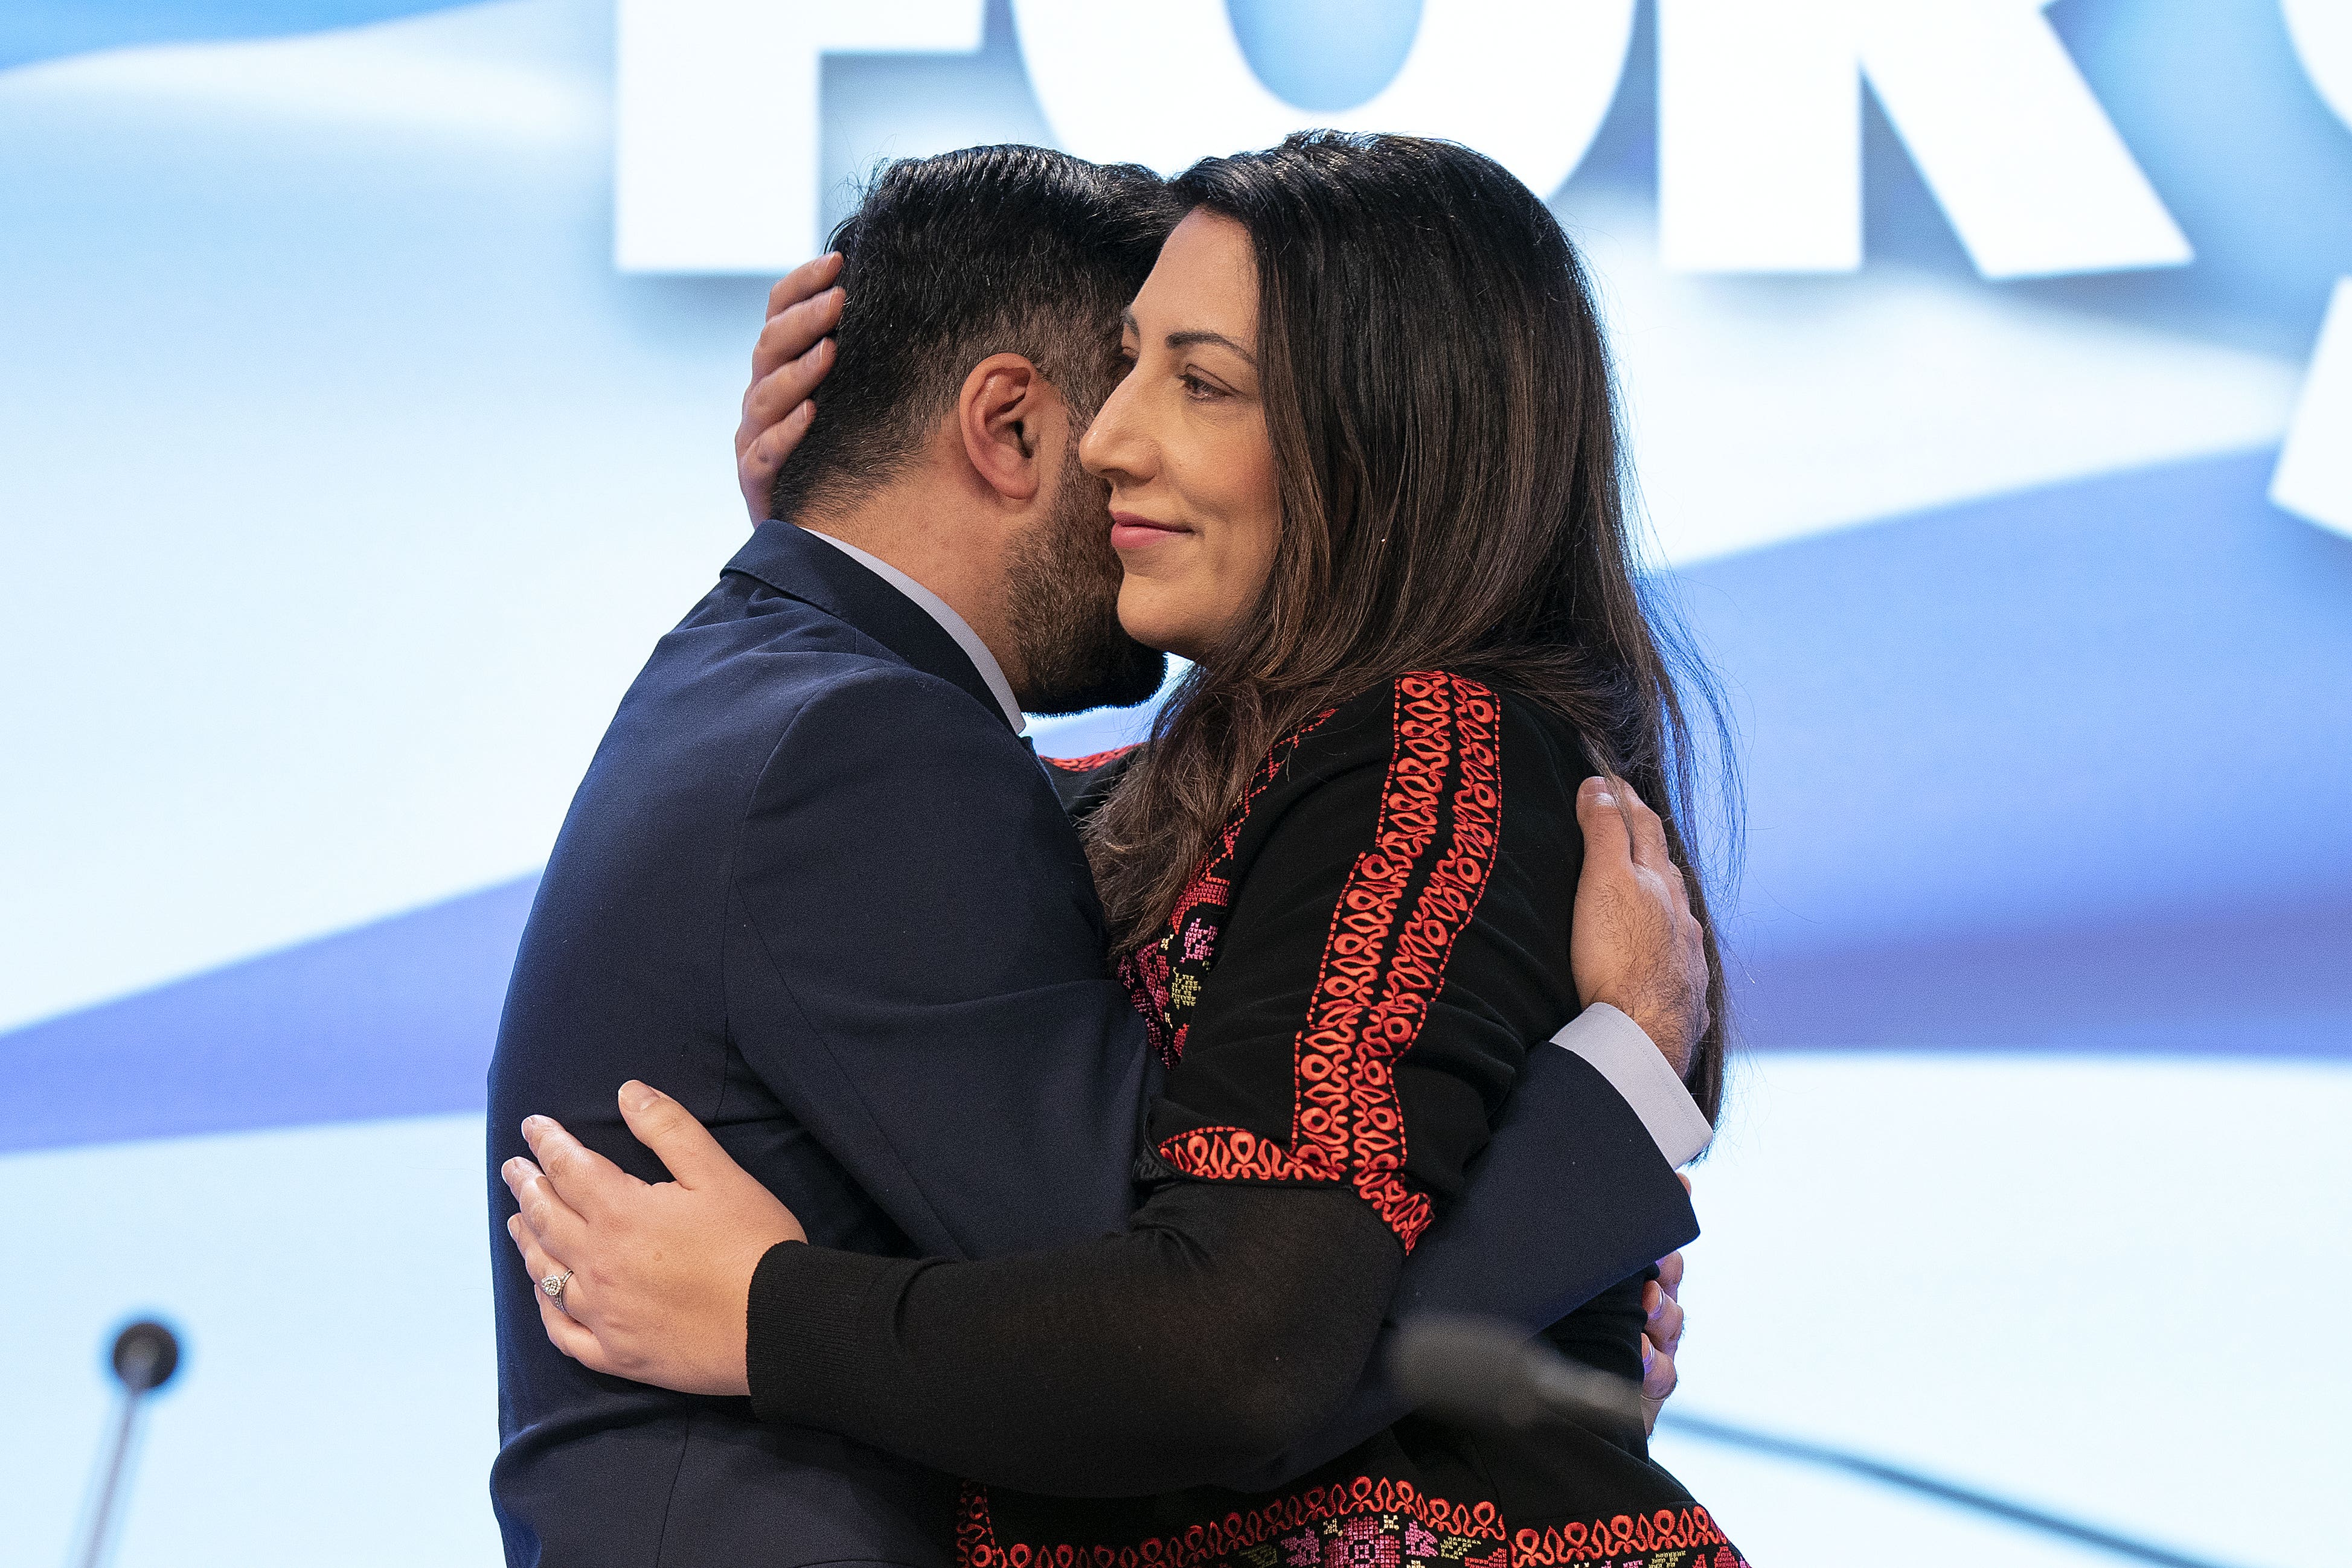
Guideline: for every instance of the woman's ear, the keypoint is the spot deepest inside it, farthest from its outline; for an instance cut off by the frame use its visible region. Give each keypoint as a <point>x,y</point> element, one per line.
<point>1002,416</point>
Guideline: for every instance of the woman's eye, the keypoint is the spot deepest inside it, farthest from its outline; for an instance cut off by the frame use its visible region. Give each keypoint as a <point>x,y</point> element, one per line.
<point>1194,387</point>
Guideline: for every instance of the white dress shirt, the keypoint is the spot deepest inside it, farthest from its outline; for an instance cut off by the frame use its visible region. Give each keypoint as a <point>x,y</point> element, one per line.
<point>1620,1052</point>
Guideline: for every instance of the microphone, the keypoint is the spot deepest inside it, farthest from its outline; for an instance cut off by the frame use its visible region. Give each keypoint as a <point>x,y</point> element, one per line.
<point>1479,1372</point>
<point>145,1356</point>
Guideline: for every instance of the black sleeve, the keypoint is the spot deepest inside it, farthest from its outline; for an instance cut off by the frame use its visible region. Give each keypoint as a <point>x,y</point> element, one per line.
<point>1223,1325</point>
<point>1376,978</point>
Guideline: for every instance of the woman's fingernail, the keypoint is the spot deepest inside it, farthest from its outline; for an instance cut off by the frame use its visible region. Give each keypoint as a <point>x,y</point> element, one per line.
<point>1649,1355</point>
<point>636,1096</point>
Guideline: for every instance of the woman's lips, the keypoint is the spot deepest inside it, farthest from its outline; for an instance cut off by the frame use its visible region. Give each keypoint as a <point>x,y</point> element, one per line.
<point>1129,531</point>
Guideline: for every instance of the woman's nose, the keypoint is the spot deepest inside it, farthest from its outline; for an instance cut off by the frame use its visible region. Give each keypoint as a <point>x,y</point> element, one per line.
<point>1111,448</point>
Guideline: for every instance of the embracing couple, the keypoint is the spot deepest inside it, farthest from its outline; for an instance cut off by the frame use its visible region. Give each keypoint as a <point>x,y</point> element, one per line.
<point>1023,1163</point>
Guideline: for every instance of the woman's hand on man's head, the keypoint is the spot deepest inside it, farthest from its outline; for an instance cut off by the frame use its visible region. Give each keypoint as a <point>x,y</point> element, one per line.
<point>794,350</point>
<point>656,1276</point>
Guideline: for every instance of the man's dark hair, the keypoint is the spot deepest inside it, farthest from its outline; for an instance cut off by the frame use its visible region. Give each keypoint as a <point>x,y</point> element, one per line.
<point>952,258</point>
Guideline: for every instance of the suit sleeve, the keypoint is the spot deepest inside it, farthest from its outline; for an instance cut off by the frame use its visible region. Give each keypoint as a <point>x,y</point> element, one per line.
<point>1369,1008</point>
<point>915,969</point>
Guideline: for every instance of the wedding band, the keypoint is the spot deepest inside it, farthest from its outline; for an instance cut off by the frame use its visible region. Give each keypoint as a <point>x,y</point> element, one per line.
<point>553,1285</point>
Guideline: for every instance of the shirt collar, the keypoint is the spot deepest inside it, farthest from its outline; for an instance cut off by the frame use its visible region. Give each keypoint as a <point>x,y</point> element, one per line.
<point>954,624</point>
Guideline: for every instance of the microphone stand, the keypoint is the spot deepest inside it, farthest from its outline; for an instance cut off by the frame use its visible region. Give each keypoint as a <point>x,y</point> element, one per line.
<point>1908,1479</point>
<point>146,1355</point>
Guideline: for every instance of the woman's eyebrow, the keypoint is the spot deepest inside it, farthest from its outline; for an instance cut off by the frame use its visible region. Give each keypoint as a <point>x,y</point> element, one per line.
<point>1186,340</point>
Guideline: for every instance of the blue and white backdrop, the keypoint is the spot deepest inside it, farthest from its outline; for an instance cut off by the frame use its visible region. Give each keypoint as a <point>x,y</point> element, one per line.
<point>367,370</point>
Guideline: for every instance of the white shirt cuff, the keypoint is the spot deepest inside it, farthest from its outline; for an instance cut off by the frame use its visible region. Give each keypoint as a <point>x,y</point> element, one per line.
<point>1620,1052</point>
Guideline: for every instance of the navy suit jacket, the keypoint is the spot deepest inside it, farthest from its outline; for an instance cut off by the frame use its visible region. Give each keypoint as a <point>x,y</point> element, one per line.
<point>815,888</point>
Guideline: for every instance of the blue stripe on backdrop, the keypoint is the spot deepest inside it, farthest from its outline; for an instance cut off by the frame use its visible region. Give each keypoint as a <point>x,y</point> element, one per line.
<point>32,30</point>
<point>2011,766</point>
<point>395,1018</point>
<point>2062,771</point>
<point>2271,985</point>
<point>2116,702</point>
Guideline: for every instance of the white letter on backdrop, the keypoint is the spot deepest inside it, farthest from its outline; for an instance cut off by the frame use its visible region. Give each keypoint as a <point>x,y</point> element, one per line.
<point>1760,146</point>
<point>2313,478</point>
<point>2320,31</point>
<point>1166,83</point>
<point>2315,471</point>
<point>1759,137</point>
<point>716,163</point>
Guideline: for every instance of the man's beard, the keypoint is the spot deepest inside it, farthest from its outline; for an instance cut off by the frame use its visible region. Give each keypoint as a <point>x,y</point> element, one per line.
<point>1062,590</point>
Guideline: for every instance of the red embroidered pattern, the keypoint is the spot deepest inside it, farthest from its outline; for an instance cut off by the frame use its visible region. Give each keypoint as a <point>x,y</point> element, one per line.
<point>1163,978</point>
<point>1369,1522</point>
<point>1087,763</point>
<point>1382,967</point>
<point>1675,1535</point>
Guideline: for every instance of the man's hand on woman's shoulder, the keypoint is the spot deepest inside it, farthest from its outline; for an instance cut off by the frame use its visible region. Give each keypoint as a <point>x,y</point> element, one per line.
<point>1635,943</point>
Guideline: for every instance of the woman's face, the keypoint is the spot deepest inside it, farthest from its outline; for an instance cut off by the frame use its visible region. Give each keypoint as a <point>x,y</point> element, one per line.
<point>1182,443</point>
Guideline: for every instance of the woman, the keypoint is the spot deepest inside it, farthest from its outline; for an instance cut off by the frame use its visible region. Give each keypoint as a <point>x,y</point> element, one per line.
<point>1387,529</point>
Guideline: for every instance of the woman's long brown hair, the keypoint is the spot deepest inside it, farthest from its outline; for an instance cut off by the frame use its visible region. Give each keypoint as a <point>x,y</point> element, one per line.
<point>1445,440</point>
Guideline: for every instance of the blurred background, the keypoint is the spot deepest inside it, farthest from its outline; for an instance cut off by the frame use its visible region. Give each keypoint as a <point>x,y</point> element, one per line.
<point>367,375</point>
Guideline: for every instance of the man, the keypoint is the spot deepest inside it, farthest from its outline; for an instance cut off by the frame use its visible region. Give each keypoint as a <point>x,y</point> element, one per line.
<point>815,888</point>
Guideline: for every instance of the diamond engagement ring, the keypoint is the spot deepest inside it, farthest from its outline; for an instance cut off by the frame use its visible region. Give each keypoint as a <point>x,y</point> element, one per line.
<point>553,1285</point>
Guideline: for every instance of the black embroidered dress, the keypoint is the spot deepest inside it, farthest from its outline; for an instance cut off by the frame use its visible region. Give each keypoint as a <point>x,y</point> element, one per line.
<point>1344,996</point>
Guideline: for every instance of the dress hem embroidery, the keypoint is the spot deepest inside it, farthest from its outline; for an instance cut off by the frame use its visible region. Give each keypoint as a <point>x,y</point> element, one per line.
<point>1366,1522</point>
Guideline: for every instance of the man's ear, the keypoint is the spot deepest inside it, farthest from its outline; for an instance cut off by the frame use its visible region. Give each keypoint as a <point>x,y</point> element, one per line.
<point>1004,415</point>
